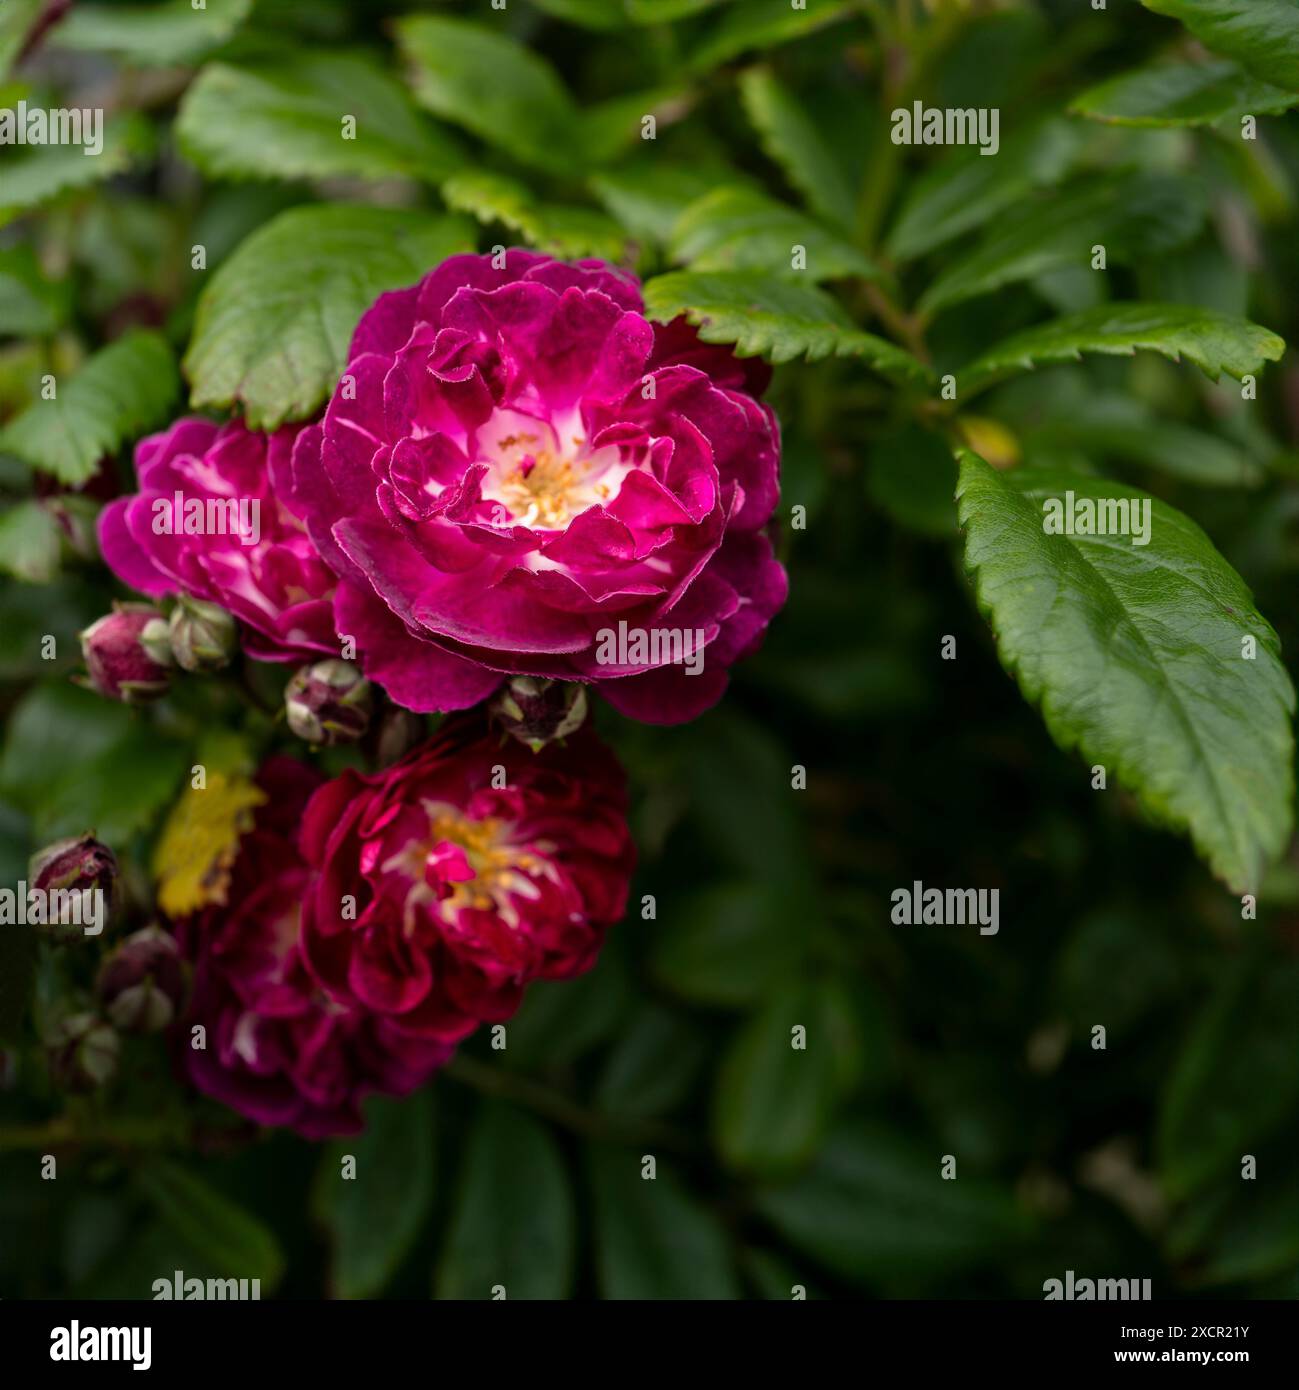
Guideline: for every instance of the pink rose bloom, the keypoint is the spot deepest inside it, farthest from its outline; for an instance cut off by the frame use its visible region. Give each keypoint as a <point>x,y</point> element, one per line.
<point>252,554</point>
<point>520,474</point>
<point>439,896</point>
<point>278,1049</point>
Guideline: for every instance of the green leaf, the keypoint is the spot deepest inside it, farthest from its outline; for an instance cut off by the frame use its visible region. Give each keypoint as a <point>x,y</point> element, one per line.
<point>495,87</point>
<point>1134,654</point>
<point>763,24</point>
<point>514,1220</point>
<point>763,315</point>
<point>29,303</point>
<point>653,1240</point>
<point>1123,428</point>
<point>115,396</point>
<point>651,1066</point>
<point>1137,216</point>
<point>648,198</point>
<point>742,229</point>
<point>236,1243</point>
<point>793,141</point>
<point>273,326</point>
<point>42,173</point>
<point>374,1218</point>
<point>29,543</point>
<point>875,1208</point>
<point>729,944</point>
<point>171,31</point>
<point>966,190</point>
<point>773,1100</point>
<point>567,232</point>
<point>266,120</point>
<point>1181,94</point>
<point>52,728</point>
<point>17,19</point>
<point>1261,35</point>
<point>1235,1081</point>
<point>1215,342</point>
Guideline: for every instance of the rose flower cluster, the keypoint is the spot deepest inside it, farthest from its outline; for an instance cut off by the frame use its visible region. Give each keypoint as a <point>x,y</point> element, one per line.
<point>522,494</point>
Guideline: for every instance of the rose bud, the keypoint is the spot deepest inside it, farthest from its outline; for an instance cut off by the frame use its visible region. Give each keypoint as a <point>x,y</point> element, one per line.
<point>538,712</point>
<point>328,703</point>
<point>203,636</point>
<point>399,732</point>
<point>74,865</point>
<point>142,984</point>
<point>81,1051</point>
<point>127,654</point>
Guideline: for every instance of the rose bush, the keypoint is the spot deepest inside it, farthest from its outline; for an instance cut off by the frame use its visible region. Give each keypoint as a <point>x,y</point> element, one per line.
<point>516,463</point>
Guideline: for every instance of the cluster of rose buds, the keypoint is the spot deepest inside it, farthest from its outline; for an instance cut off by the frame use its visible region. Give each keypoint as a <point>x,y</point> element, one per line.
<point>130,652</point>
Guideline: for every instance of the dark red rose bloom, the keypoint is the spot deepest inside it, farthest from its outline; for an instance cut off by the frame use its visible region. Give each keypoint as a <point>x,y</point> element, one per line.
<point>450,880</point>
<point>279,1050</point>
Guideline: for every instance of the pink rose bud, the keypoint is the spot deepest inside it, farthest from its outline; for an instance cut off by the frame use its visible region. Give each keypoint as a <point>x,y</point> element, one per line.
<point>142,985</point>
<point>328,703</point>
<point>203,636</point>
<point>73,865</point>
<point>538,712</point>
<point>127,654</point>
<point>399,732</point>
<point>81,1051</point>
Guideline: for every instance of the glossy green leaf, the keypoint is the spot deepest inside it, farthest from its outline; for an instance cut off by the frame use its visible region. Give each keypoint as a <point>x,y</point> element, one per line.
<point>29,543</point>
<point>39,174</point>
<point>653,1239</point>
<point>751,25</point>
<point>118,394</point>
<point>266,120</point>
<point>235,1243</point>
<point>1215,342</point>
<point>514,1223</point>
<point>273,326</point>
<point>792,139</point>
<point>652,1065</point>
<point>764,315</point>
<point>375,1217</point>
<point>171,31</point>
<point>742,229</point>
<point>1261,35</point>
<point>1182,94</point>
<point>773,1099</point>
<point>875,1207</point>
<point>492,85</point>
<point>1135,654</point>
<point>567,232</point>
<point>1137,216</point>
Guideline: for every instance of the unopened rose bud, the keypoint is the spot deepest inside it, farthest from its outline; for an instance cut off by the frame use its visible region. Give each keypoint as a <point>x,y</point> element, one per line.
<point>142,984</point>
<point>77,865</point>
<point>127,653</point>
<point>75,517</point>
<point>203,636</point>
<point>328,703</point>
<point>82,1052</point>
<point>538,712</point>
<point>399,731</point>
